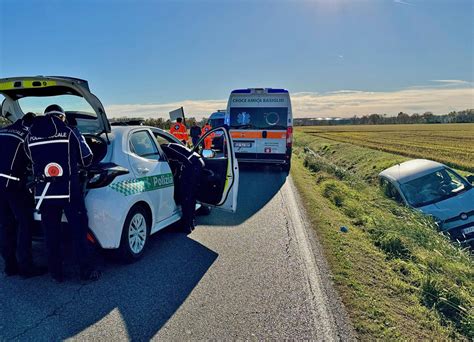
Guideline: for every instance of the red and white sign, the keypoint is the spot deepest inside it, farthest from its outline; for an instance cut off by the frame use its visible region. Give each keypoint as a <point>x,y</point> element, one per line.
<point>53,170</point>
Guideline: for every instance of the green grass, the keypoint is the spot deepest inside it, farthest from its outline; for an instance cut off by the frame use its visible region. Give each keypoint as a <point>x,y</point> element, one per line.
<point>398,277</point>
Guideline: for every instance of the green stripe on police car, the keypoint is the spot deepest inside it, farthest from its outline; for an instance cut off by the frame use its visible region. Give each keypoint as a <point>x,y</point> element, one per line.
<point>134,186</point>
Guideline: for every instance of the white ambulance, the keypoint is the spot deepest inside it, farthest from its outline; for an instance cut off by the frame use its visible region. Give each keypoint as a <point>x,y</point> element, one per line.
<point>261,125</point>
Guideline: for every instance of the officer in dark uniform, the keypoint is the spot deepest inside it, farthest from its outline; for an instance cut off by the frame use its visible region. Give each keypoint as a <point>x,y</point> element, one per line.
<point>195,133</point>
<point>58,152</point>
<point>16,202</point>
<point>188,167</point>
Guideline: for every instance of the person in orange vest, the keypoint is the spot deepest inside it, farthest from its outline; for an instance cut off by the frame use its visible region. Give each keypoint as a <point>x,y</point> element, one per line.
<point>208,141</point>
<point>179,130</point>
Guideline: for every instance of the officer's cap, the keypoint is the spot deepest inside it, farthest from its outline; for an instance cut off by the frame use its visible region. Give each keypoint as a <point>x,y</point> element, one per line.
<point>54,109</point>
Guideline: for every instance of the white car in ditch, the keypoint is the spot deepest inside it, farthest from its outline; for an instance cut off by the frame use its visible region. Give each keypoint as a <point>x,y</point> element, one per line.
<point>131,188</point>
<point>435,190</point>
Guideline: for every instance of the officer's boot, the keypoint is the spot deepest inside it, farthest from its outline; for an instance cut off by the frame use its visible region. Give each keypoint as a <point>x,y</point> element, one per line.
<point>11,267</point>
<point>32,271</point>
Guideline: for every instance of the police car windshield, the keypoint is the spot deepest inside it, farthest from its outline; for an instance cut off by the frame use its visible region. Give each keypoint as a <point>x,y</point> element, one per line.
<point>272,118</point>
<point>70,103</point>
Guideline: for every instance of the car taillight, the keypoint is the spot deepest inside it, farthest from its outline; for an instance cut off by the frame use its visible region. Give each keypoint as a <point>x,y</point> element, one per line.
<point>289,136</point>
<point>103,174</point>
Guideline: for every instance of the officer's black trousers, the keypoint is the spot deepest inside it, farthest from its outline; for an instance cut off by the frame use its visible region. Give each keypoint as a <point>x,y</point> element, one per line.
<point>16,222</point>
<point>189,178</point>
<point>76,214</point>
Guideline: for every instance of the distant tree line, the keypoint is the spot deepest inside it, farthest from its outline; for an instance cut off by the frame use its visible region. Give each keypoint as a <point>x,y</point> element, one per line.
<point>158,122</point>
<point>464,116</point>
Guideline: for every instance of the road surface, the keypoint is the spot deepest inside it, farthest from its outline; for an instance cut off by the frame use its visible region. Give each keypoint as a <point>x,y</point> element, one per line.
<point>255,274</point>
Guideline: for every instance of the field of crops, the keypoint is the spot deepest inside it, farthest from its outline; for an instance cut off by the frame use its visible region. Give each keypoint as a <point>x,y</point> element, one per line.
<point>452,144</point>
<point>398,277</point>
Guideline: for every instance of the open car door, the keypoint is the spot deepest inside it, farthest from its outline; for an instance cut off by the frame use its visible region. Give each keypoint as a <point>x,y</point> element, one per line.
<point>219,183</point>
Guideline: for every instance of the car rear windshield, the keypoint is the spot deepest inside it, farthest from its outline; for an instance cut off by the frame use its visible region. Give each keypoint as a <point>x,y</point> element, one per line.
<point>272,118</point>
<point>70,103</point>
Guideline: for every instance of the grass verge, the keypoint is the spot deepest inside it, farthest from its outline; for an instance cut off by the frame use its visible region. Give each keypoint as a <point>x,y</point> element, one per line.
<point>398,277</point>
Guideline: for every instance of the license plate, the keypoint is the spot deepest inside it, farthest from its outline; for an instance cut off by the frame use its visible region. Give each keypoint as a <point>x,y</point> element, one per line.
<point>468,230</point>
<point>242,144</point>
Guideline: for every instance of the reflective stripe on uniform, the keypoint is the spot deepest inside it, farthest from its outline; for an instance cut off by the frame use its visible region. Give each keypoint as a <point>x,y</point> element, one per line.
<point>12,135</point>
<point>52,196</point>
<point>49,142</point>
<point>9,177</point>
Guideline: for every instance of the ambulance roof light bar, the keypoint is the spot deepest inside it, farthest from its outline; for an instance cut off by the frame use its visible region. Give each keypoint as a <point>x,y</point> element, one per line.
<point>260,91</point>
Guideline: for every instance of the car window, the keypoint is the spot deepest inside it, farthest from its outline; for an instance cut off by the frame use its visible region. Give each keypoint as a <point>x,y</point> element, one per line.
<point>163,138</point>
<point>215,141</point>
<point>433,187</point>
<point>142,144</point>
<point>391,191</point>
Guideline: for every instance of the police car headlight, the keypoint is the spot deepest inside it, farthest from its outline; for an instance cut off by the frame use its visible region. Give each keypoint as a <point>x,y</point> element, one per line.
<point>104,174</point>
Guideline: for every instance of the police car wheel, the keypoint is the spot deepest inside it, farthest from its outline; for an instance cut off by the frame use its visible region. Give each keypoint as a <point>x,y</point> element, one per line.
<point>135,234</point>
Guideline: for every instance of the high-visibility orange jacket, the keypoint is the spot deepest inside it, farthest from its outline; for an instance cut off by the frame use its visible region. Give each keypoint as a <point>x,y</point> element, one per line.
<point>179,131</point>
<point>208,141</point>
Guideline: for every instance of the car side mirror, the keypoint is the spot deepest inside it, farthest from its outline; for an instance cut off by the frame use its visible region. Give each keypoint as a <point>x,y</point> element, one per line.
<point>470,179</point>
<point>207,154</point>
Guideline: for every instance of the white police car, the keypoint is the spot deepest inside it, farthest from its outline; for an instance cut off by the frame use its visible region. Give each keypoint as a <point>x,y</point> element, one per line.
<point>130,191</point>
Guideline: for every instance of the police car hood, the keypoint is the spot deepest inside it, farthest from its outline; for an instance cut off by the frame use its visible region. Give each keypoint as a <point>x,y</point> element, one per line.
<point>16,88</point>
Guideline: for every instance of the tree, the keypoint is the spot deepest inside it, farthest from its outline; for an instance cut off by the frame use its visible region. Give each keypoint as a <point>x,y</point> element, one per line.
<point>403,118</point>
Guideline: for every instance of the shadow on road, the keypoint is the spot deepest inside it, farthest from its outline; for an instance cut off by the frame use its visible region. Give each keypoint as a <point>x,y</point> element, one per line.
<point>257,186</point>
<point>145,294</point>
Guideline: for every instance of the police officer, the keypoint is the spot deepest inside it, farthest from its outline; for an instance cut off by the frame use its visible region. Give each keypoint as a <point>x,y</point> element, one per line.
<point>195,133</point>
<point>188,165</point>
<point>16,202</point>
<point>179,130</point>
<point>58,152</point>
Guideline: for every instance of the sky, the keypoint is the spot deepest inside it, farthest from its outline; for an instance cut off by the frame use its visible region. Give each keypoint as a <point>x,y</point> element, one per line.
<point>336,57</point>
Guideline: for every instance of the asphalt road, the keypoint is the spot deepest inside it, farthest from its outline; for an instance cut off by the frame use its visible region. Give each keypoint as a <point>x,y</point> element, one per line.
<point>255,274</point>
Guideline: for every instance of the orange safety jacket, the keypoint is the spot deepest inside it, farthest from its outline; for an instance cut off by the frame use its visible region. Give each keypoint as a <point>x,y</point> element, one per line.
<point>208,141</point>
<point>179,131</point>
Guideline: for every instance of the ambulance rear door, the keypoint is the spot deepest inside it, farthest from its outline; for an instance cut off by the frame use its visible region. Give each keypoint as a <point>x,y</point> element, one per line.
<point>259,120</point>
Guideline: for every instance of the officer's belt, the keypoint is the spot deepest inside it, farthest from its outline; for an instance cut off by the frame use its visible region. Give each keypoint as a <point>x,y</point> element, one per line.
<point>9,177</point>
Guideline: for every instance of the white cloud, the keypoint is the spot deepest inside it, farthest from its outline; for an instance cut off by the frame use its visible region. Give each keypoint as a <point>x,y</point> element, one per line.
<point>451,82</point>
<point>346,104</point>
<point>198,109</point>
<point>343,103</point>
<point>402,2</point>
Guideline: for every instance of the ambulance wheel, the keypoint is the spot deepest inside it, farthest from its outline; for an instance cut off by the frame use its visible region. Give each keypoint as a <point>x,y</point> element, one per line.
<point>286,167</point>
<point>135,234</point>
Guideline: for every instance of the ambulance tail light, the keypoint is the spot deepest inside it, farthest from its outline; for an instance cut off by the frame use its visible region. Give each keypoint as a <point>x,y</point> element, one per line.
<point>103,174</point>
<point>289,137</point>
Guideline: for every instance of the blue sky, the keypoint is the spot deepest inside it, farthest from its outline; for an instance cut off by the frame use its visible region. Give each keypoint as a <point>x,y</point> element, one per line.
<point>167,52</point>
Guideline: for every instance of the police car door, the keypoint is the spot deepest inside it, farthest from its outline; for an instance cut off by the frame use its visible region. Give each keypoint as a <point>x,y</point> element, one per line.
<point>153,175</point>
<point>219,182</point>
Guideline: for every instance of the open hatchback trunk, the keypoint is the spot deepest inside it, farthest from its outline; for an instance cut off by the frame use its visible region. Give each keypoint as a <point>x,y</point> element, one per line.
<point>34,94</point>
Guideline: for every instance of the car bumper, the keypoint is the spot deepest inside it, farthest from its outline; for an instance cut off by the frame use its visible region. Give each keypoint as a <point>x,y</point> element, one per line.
<point>463,233</point>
